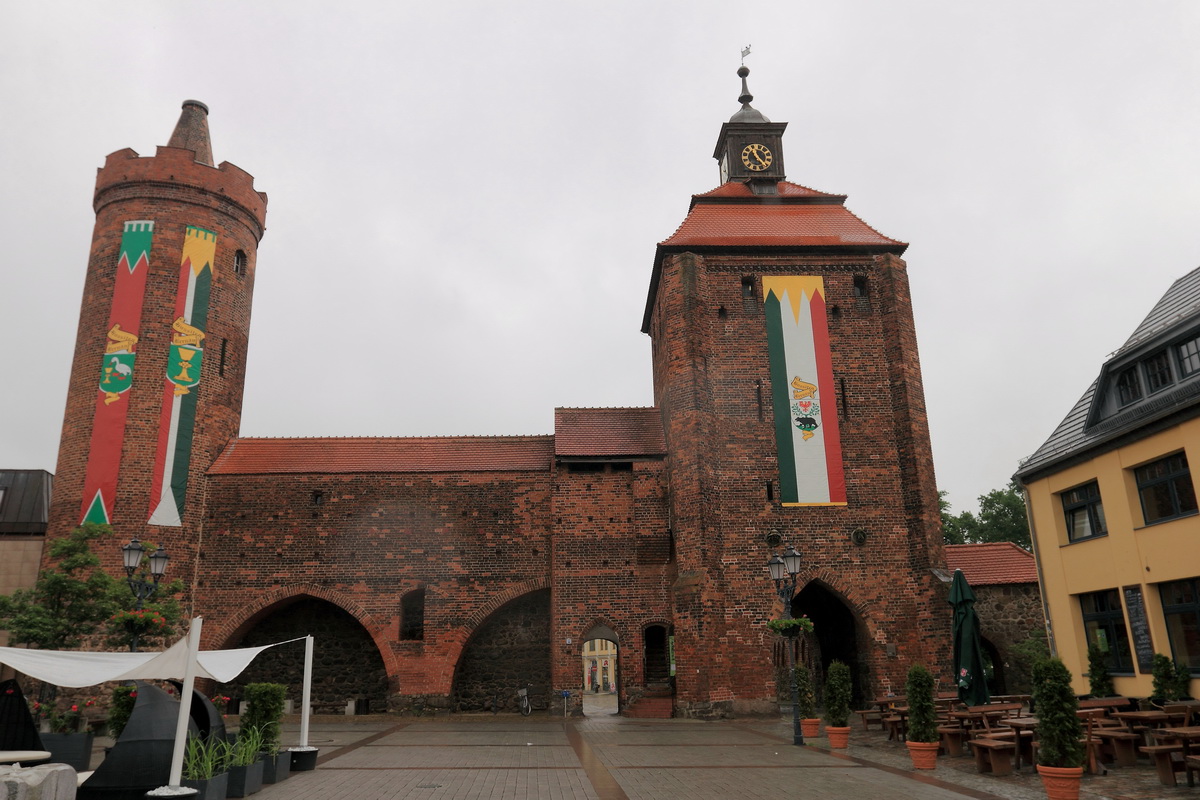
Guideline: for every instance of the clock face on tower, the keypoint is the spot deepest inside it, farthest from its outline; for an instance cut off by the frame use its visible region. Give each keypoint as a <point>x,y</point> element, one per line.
<point>756,157</point>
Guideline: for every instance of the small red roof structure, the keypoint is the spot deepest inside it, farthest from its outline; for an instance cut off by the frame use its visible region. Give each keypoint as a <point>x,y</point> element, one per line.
<point>992,563</point>
<point>608,432</point>
<point>368,454</point>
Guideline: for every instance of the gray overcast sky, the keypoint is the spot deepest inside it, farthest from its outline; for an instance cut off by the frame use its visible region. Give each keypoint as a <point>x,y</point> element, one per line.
<point>465,196</point>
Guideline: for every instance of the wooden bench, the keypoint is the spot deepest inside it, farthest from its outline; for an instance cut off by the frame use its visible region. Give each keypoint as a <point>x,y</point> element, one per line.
<point>1121,743</point>
<point>1191,764</point>
<point>870,715</point>
<point>953,738</point>
<point>993,755</point>
<point>1165,763</point>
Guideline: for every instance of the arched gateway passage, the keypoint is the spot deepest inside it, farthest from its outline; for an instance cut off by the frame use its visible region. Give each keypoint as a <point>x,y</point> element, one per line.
<point>348,671</point>
<point>509,650</point>
<point>835,634</point>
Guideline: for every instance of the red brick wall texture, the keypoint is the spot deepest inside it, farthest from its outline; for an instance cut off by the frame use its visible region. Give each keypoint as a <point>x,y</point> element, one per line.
<point>631,536</point>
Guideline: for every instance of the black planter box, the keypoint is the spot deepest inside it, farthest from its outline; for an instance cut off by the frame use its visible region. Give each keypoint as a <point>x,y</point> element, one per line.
<point>74,749</point>
<point>277,767</point>
<point>245,781</point>
<point>215,788</point>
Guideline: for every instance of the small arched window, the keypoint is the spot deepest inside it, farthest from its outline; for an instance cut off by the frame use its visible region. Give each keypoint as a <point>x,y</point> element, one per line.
<point>412,615</point>
<point>239,262</point>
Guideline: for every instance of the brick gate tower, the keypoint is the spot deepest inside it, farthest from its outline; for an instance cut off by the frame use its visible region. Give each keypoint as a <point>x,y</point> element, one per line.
<point>160,355</point>
<point>786,373</point>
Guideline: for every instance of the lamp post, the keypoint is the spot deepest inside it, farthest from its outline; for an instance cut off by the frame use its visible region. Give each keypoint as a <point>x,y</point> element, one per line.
<point>142,588</point>
<point>783,572</point>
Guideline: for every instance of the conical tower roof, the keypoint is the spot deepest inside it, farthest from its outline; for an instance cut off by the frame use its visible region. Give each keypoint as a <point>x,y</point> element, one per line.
<point>191,132</point>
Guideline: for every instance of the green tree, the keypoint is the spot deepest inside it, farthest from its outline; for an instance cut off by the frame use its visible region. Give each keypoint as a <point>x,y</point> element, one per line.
<point>70,600</point>
<point>1001,519</point>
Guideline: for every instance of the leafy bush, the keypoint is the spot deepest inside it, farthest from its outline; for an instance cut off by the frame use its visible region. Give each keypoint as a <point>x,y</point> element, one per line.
<point>1059,728</point>
<point>1099,681</point>
<point>922,715</point>
<point>837,695</point>
<point>264,710</point>
<point>1183,681</point>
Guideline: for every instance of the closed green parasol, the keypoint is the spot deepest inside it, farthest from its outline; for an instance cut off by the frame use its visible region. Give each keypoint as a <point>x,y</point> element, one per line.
<point>969,675</point>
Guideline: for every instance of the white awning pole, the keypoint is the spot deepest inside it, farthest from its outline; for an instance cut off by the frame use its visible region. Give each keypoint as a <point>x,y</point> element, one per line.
<point>305,695</point>
<point>185,702</point>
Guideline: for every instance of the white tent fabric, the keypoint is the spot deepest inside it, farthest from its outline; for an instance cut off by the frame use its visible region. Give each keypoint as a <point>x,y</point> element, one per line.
<point>78,668</point>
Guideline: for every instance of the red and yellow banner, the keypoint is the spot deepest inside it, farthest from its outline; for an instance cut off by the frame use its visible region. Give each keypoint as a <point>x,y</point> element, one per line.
<point>806,423</point>
<point>172,461</point>
<point>116,373</point>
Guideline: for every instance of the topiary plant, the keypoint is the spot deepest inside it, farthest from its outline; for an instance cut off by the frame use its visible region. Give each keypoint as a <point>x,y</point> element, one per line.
<point>922,714</point>
<point>806,700</point>
<point>264,710</point>
<point>1183,681</point>
<point>1059,729</point>
<point>837,695</point>
<point>1164,686</point>
<point>1099,681</point>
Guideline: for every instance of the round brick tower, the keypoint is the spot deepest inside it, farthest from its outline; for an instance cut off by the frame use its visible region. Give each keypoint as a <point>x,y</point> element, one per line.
<point>160,355</point>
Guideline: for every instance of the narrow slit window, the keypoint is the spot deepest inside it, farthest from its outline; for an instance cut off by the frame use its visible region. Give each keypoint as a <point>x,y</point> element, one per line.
<point>860,286</point>
<point>221,361</point>
<point>239,263</point>
<point>412,616</point>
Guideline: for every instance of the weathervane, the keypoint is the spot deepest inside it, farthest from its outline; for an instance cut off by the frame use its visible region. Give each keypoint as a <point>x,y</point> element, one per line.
<point>745,52</point>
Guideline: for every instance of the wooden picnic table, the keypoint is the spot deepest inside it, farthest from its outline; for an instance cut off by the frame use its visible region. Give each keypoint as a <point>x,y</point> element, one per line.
<point>1151,719</point>
<point>1186,736</point>
<point>1024,728</point>
<point>984,716</point>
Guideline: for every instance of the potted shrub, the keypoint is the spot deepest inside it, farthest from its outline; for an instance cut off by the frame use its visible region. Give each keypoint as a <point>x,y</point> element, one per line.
<point>264,711</point>
<point>922,718</point>
<point>1100,683</point>
<point>1061,751</point>
<point>837,705</point>
<point>245,763</point>
<point>69,741</point>
<point>806,700</point>
<point>1183,681</point>
<point>205,767</point>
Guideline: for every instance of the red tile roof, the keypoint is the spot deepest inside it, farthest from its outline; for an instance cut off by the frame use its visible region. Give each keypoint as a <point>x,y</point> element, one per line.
<point>608,432</point>
<point>784,189</point>
<point>992,563</point>
<point>364,454</point>
<point>790,225</point>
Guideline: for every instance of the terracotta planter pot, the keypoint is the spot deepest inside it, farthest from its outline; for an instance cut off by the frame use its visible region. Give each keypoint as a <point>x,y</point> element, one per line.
<point>811,728</point>
<point>924,754</point>
<point>1061,783</point>
<point>839,738</point>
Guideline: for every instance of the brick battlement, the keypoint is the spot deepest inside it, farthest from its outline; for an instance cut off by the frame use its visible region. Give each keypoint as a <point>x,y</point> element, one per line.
<point>228,188</point>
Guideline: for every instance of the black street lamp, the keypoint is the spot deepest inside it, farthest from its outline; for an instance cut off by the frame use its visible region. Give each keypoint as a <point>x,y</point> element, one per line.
<point>142,588</point>
<point>783,572</point>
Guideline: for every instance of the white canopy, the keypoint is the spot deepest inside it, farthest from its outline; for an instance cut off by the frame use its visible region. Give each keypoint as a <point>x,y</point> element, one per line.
<point>77,668</point>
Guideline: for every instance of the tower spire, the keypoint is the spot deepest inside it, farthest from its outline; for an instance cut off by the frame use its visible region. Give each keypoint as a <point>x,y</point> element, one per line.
<point>191,132</point>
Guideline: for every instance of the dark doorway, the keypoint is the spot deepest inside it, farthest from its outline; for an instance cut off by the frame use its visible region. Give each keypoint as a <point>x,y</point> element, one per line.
<point>658,658</point>
<point>993,666</point>
<point>836,633</point>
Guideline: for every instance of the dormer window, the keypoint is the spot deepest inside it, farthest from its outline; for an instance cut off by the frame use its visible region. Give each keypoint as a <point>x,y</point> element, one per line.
<point>1158,371</point>
<point>1188,354</point>
<point>1129,388</point>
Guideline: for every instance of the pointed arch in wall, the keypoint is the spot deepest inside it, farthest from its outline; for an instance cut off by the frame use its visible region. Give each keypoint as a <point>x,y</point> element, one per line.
<point>507,650</point>
<point>349,669</point>
<point>838,632</point>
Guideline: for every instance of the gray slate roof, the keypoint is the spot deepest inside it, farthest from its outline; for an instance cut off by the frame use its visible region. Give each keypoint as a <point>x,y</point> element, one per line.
<point>1177,309</point>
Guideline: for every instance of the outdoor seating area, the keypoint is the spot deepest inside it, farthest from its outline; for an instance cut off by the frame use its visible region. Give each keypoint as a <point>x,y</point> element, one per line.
<point>1122,736</point>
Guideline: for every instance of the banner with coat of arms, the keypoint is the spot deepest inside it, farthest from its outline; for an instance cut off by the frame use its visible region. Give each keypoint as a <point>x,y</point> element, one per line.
<point>806,423</point>
<point>172,461</point>
<point>116,372</point>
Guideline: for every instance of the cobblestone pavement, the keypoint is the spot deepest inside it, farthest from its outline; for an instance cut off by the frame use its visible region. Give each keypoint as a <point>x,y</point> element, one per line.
<point>605,757</point>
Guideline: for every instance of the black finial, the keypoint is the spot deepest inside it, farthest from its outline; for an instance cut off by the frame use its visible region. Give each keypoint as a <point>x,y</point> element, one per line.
<point>745,96</point>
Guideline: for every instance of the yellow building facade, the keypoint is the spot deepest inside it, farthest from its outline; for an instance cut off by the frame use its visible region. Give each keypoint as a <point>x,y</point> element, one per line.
<point>1113,509</point>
